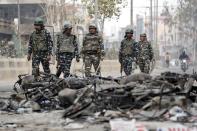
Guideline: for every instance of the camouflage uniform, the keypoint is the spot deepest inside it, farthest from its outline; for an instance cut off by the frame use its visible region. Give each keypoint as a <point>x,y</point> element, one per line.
<point>40,46</point>
<point>145,56</point>
<point>127,54</point>
<point>67,49</point>
<point>92,51</point>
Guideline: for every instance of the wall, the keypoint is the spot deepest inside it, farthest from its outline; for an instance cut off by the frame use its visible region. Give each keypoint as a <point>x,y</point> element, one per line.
<point>10,68</point>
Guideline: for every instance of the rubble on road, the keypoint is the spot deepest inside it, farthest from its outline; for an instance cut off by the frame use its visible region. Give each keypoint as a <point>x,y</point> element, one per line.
<point>167,97</point>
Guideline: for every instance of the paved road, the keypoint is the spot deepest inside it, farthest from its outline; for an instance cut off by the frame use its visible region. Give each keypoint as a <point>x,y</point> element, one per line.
<point>52,120</point>
<point>7,85</point>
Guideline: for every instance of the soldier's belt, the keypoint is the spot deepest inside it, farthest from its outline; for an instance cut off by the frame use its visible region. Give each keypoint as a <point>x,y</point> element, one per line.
<point>37,51</point>
<point>40,51</point>
<point>91,52</point>
<point>127,56</point>
<point>67,53</point>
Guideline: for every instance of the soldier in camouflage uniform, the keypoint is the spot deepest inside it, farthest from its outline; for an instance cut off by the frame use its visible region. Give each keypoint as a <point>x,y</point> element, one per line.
<point>92,50</point>
<point>145,54</point>
<point>40,48</point>
<point>67,49</point>
<point>128,51</point>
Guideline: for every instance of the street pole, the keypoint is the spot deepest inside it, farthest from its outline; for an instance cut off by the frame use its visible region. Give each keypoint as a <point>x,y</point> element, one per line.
<point>131,19</point>
<point>19,35</point>
<point>194,50</point>
<point>156,21</point>
<point>151,20</point>
<point>145,21</point>
<point>156,29</point>
<point>62,16</point>
<point>74,24</point>
<point>96,12</point>
<point>165,38</point>
<point>193,35</point>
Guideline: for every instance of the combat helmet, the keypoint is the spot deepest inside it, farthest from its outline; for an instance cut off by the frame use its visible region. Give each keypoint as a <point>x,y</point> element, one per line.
<point>67,25</point>
<point>92,25</point>
<point>39,21</point>
<point>129,31</point>
<point>143,35</point>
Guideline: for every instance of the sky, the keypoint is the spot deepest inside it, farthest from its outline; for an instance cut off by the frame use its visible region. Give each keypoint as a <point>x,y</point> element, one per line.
<point>139,7</point>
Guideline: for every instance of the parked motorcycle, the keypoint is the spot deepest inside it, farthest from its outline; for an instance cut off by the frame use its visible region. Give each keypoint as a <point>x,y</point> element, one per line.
<point>184,65</point>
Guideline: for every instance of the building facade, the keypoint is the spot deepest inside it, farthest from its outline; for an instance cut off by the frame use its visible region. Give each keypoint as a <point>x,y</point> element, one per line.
<point>29,10</point>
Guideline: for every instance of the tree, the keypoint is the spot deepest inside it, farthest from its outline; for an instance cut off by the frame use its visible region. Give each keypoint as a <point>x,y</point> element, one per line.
<point>106,9</point>
<point>54,12</point>
<point>184,21</point>
<point>184,16</point>
<point>167,14</point>
<point>187,16</point>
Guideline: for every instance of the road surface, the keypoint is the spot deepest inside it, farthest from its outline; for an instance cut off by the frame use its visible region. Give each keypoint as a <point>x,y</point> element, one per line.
<point>52,121</point>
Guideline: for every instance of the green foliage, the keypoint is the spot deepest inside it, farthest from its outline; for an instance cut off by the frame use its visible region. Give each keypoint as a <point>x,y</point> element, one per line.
<point>183,16</point>
<point>181,22</point>
<point>106,8</point>
<point>186,11</point>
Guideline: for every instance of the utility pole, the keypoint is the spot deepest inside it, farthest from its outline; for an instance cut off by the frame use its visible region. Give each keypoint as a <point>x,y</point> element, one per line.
<point>96,12</point>
<point>156,21</point>
<point>74,22</point>
<point>18,33</point>
<point>62,16</point>
<point>131,20</point>
<point>145,21</point>
<point>151,20</point>
<point>165,37</point>
<point>193,34</point>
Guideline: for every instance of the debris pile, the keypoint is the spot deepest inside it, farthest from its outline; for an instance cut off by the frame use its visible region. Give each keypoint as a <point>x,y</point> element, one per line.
<point>168,97</point>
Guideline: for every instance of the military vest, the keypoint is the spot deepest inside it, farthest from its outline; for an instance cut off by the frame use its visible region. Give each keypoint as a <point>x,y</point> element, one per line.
<point>128,47</point>
<point>144,51</point>
<point>92,43</point>
<point>39,41</point>
<point>66,43</point>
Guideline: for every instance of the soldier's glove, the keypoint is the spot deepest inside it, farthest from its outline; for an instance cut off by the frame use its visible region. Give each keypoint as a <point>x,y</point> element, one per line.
<point>28,57</point>
<point>77,58</point>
